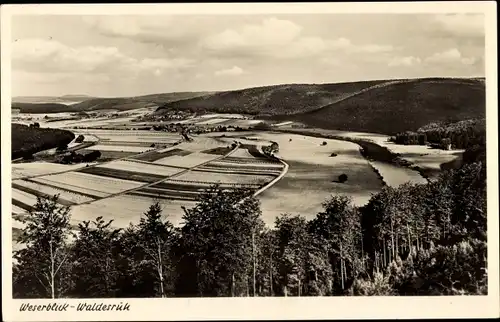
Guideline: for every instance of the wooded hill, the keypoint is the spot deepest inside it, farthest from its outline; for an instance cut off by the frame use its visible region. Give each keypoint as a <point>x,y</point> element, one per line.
<point>28,140</point>
<point>403,106</point>
<point>271,100</point>
<point>41,107</point>
<point>94,104</point>
<point>383,106</point>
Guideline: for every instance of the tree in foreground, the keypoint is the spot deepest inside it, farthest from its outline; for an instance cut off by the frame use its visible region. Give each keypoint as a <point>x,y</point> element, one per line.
<point>94,257</point>
<point>41,269</point>
<point>218,244</point>
<point>156,239</point>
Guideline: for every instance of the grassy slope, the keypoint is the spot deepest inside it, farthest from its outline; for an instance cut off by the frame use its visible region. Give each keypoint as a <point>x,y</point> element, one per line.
<point>32,140</point>
<point>403,106</point>
<point>270,100</point>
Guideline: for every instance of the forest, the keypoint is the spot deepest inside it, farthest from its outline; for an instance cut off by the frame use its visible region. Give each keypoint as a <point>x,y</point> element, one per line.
<point>461,135</point>
<point>27,140</point>
<point>426,239</point>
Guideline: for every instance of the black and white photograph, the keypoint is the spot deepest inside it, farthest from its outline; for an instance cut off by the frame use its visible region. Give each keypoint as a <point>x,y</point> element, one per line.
<point>247,155</point>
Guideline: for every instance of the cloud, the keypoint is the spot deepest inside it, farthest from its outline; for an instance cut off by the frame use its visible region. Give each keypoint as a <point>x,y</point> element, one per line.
<point>147,29</point>
<point>466,25</point>
<point>452,55</point>
<point>234,71</point>
<point>51,56</point>
<point>272,32</point>
<point>404,61</point>
<point>280,38</point>
<point>58,77</point>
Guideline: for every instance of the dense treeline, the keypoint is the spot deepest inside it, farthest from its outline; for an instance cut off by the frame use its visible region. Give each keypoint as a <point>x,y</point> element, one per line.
<point>400,107</point>
<point>269,100</point>
<point>27,140</point>
<point>413,240</point>
<point>460,135</point>
<point>39,108</point>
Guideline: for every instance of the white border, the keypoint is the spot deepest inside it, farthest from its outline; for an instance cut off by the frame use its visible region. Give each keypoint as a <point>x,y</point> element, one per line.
<point>266,308</point>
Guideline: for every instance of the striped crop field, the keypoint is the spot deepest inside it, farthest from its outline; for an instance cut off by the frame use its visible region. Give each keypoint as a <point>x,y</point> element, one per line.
<point>240,170</point>
<point>114,174</point>
<point>156,155</point>
<point>250,164</point>
<point>94,182</point>
<point>23,199</point>
<point>187,161</point>
<point>112,155</point>
<point>142,167</point>
<point>17,210</point>
<point>41,189</point>
<point>217,177</point>
<point>56,183</point>
<point>254,161</point>
<point>121,148</point>
<point>173,184</point>
<point>135,136</point>
<point>126,143</point>
<point>21,170</point>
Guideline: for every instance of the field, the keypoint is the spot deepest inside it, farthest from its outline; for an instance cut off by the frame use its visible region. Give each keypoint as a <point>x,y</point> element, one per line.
<point>37,188</point>
<point>217,177</point>
<point>188,161</point>
<point>141,167</point>
<point>106,185</point>
<point>312,175</point>
<point>120,148</point>
<point>22,170</point>
<point>424,157</point>
<point>155,155</point>
<point>124,209</point>
<point>132,172</point>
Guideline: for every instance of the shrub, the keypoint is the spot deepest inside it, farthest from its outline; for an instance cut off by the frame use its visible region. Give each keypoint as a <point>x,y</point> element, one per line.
<point>333,154</point>
<point>80,139</point>
<point>343,178</point>
<point>324,143</point>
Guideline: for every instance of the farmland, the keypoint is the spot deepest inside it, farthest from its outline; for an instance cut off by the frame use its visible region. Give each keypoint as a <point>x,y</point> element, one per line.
<point>137,166</point>
<point>140,173</point>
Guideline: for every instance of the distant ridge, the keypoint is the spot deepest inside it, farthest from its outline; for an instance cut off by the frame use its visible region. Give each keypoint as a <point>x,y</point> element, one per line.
<point>381,106</point>
<point>78,103</point>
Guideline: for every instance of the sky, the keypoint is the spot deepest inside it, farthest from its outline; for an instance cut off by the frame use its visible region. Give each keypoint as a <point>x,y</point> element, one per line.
<point>115,56</point>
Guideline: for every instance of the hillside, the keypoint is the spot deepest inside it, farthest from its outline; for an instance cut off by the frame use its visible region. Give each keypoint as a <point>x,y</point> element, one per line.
<point>41,107</point>
<point>29,140</point>
<point>32,105</point>
<point>407,105</point>
<point>270,100</point>
<point>380,106</point>
<point>65,99</point>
